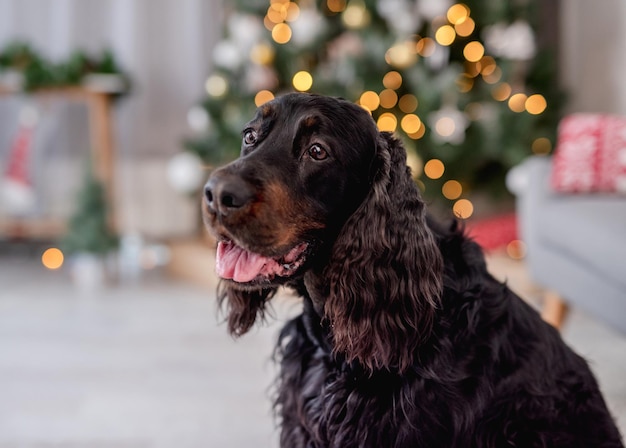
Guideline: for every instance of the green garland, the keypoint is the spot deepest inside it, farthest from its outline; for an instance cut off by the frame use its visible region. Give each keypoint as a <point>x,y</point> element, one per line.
<point>38,72</point>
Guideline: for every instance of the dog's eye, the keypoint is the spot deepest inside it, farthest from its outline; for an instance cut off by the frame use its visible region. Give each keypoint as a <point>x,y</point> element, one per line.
<point>316,152</point>
<point>249,137</point>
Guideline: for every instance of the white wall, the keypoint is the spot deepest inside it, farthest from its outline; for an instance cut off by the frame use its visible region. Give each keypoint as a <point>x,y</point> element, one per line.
<point>593,55</point>
<point>166,47</point>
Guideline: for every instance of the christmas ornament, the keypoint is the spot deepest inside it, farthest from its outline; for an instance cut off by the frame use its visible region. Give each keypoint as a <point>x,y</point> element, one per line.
<point>185,172</point>
<point>18,192</point>
<point>198,119</point>
<point>515,41</point>
<point>227,54</point>
<point>448,125</point>
<point>309,25</point>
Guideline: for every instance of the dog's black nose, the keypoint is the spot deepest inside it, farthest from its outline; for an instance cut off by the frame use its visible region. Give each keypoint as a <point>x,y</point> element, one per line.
<point>226,193</point>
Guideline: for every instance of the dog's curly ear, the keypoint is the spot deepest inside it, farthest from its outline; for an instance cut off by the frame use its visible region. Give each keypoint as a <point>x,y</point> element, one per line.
<point>242,307</point>
<point>385,273</point>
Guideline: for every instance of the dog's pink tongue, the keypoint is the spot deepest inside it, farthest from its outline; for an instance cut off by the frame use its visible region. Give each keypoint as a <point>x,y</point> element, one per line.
<point>238,264</point>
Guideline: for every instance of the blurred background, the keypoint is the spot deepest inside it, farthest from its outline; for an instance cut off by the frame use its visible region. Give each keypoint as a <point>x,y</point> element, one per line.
<point>113,112</point>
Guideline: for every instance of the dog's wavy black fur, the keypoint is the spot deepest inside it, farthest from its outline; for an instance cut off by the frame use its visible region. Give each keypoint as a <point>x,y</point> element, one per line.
<point>405,339</point>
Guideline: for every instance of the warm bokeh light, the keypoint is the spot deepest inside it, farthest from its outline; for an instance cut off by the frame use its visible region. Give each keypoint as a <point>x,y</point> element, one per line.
<point>277,12</point>
<point>494,76</point>
<point>263,97</point>
<point>434,168</point>
<point>541,146</point>
<point>369,100</point>
<point>465,83</point>
<point>281,33</point>
<point>293,12</point>
<point>516,249</point>
<point>419,134</point>
<point>52,258</point>
<point>425,47</point>
<point>410,123</point>
<point>408,103</point>
<point>387,122</point>
<point>457,13</point>
<point>474,51</point>
<point>536,104</point>
<point>445,35</point>
<point>452,189</point>
<point>488,65</point>
<point>302,81</point>
<point>336,5</point>
<point>401,55</point>
<point>501,92</point>
<point>517,102</point>
<point>356,15</point>
<point>465,28</point>
<point>392,80</point>
<point>216,85</point>
<point>262,54</point>
<point>463,208</point>
<point>388,98</point>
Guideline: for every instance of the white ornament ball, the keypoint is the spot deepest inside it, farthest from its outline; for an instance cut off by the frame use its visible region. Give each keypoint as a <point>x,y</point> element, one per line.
<point>185,172</point>
<point>198,119</point>
<point>227,54</point>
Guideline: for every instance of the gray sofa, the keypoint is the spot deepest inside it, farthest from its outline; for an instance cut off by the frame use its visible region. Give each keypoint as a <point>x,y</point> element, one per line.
<point>576,243</point>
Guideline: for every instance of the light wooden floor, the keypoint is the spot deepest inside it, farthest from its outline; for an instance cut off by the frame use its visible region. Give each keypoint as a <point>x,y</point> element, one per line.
<point>150,365</point>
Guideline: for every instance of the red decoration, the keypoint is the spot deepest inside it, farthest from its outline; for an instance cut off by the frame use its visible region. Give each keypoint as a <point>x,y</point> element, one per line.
<point>590,155</point>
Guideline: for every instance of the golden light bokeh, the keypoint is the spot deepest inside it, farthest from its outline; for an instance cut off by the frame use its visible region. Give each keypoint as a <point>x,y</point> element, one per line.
<point>536,104</point>
<point>293,12</point>
<point>356,15</point>
<point>419,134</point>
<point>369,100</point>
<point>401,55</point>
<point>463,208</point>
<point>425,47</point>
<point>465,28</point>
<point>474,51</point>
<point>517,102</point>
<point>388,98</point>
<point>302,81</point>
<point>262,54</point>
<point>411,123</point>
<point>336,5</point>
<point>494,76</point>
<point>465,82</point>
<point>281,33</point>
<point>408,103</point>
<point>216,85</point>
<point>452,189</point>
<point>516,249</point>
<point>445,35</point>
<point>541,146</point>
<point>488,65</point>
<point>263,97</point>
<point>277,12</point>
<point>457,13</point>
<point>392,80</point>
<point>501,92</point>
<point>387,122</point>
<point>52,258</point>
<point>434,169</point>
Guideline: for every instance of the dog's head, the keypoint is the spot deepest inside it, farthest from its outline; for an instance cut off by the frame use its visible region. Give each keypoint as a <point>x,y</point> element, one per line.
<point>304,166</point>
<point>317,187</point>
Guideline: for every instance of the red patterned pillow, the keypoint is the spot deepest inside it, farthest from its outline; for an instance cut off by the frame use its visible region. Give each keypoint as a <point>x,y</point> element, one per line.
<point>590,155</point>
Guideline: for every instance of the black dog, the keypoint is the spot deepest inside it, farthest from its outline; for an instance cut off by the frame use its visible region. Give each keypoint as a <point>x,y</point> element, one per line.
<point>405,339</point>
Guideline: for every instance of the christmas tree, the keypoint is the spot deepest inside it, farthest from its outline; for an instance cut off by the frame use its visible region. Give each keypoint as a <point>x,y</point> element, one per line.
<point>464,85</point>
<point>89,229</point>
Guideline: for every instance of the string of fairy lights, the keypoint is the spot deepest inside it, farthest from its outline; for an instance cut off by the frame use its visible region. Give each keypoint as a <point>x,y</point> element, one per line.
<point>457,23</point>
